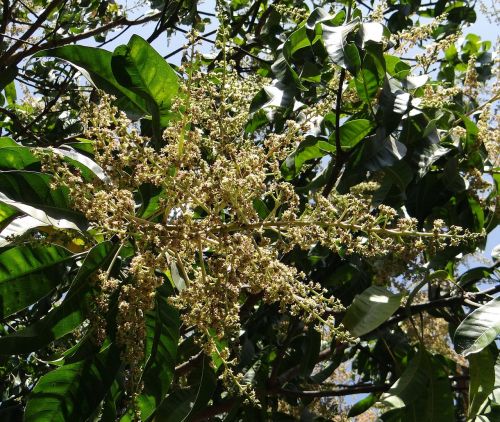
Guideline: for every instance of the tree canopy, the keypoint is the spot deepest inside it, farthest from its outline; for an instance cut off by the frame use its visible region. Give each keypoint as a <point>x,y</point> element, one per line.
<point>280,229</point>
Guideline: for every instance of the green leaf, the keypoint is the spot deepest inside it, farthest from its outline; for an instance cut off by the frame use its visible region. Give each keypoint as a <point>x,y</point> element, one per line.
<point>161,345</point>
<point>30,193</point>
<point>352,58</point>
<point>16,158</point>
<point>362,406</point>
<point>422,393</point>
<point>95,65</point>
<point>410,385</point>
<point>295,42</point>
<point>88,167</point>
<point>482,378</point>
<point>27,274</point>
<point>10,93</point>
<point>478,329</point>
<point>396,67</point>
<point>47,216</point>
<point>367,85</point>
<point>370,309</point>
<point>181,405</point>
<point>140,68</point>
<point>64,318</point>
<point>307,150</point>
<point>73,392</point>
<point>353,131</point>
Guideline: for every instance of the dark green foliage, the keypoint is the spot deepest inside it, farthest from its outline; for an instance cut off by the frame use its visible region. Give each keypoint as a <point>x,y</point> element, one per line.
<point>51,365</point>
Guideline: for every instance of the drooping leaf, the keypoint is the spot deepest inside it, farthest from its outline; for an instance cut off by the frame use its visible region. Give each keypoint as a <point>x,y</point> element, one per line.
<point>30,193</point>
<point>84,163</point>
<point>95,65</point>
<point>17,227</point>
<point>161,345</point>
<point>47,216</point>
<point>28,273</point>
<point>334,39</point>
<point>478,329</point>
<point>140,68</point>
<point>73,392</point>
<point>370,309</point>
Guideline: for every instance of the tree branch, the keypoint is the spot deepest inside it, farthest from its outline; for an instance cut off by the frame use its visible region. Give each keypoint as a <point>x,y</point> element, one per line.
<point>355,389</point>
<point>30,31</point>
<point>122,21</point>
<point>340,157</point>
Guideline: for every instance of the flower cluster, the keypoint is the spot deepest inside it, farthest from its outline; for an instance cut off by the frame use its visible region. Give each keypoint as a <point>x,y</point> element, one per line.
<point>224,219</point>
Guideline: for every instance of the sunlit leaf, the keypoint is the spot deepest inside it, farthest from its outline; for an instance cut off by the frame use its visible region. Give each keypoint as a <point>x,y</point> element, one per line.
<point>140,68</point>
<point>478,329</point>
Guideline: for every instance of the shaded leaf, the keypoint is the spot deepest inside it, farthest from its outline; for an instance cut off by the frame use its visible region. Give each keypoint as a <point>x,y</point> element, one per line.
<point>65,317</point>
<point>162,337</point>
<point>182,404</point>
<point>27,274</point>
<point>370,309</point>
<point>410,385</point>
<point>73,392</point>
<point>482,378</point>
